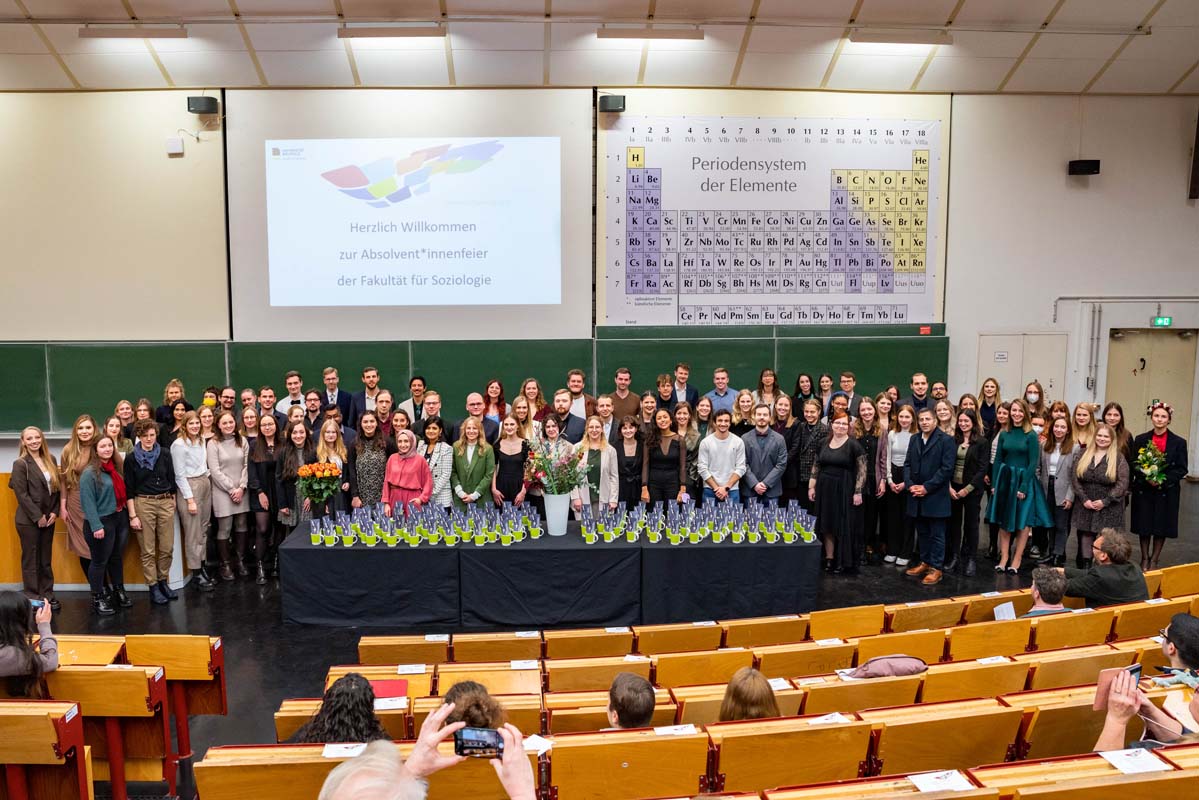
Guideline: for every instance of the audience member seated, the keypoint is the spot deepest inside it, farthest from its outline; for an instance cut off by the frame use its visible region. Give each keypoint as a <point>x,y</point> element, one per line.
<point>748,696</point>
<point>474,705</point>
<point>1110,579</point>
<point>347,714</point>
<point>630,701</point>
<point>22,663</point>
<point>1048,588</point>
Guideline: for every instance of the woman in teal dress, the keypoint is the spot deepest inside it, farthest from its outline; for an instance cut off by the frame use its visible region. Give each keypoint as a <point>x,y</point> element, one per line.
<point>1019,502</point>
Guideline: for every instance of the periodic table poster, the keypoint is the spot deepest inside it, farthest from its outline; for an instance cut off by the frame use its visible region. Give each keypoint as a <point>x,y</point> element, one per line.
<point>770,221</point>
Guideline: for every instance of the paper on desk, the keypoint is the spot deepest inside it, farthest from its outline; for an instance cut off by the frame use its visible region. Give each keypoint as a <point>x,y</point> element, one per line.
<point>1004,611</point>
<point>827,642</point>
<point>410,669</point>
<point>1082,610</point>
<point>990,594</point>
<point>829,719</point>
<point>391,703</point>
<point>675,730</point>
<point>632,657</point>
<point>1157,601</point>
<point>707,623</point>
<point>529,663</point>
<point>527,634</point>
<point>437,637</point>
<point>787,616</point>
<point>947,781</point>
<point>118,666</point>
<point>617,629</point>
<point>537,743</point>
<point>343,750</point>
<point>808,681</point>
<point>1135,760</point>
<point>992,660</point>
<point>779,684</point>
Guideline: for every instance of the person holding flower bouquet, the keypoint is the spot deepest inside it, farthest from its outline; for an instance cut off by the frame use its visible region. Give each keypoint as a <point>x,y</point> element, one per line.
<point>331,449</point>
<point>554,448</point>
<point>1160,464</point>
<point>408,483</point>
<point>297,452</point>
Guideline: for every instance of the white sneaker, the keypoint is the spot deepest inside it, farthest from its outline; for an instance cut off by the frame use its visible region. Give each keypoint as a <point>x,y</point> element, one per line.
<point>888,559</point>
<point>901,562</point>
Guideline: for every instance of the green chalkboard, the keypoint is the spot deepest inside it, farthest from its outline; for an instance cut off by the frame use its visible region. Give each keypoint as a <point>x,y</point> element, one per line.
<point>875,361</point>
<point>91,378</point>
<point>255,364</point>
<point>648,358</point>
<point>457,368</point>
<point>23,391</point>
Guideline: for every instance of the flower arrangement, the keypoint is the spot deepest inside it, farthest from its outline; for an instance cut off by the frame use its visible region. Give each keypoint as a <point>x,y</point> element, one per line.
<point>1151,463</point>
<point>556,472</point>
<point>318,482</point>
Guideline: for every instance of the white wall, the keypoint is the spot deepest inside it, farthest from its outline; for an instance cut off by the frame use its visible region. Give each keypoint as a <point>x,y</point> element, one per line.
<point>1022,232</point>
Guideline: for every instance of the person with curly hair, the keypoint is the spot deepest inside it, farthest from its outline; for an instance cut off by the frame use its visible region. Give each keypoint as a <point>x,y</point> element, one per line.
<point>474,705</point>
<point>347,714</point>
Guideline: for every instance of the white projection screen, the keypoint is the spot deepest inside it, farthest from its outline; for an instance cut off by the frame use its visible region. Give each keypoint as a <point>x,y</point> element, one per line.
<point>409,214</point>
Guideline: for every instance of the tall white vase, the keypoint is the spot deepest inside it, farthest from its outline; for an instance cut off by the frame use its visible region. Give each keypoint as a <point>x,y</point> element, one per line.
<point>557,510</point>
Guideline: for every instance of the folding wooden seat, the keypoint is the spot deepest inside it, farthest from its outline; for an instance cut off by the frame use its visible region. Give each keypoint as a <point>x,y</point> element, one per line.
<point>522,710</point>
<point>1072,629</point>
<point>627,764</point>
<point>1146,619</point>
<point>1180,580</point>
<point>1149,786</point>
<point>678,638</point>
<point>420,684</point>
<point>1153,583</point>
<point>925,614</point>
<point>844,623</point>
<point>403,649</point>
<point>591,674</point>
<point>1060,722</point>
<point>1072,666</point>
<point>807,658</point>
<point>986,639</point>
<point>42,750</point>
<point>577,712</point>
<point>90,651</point>
<point>963,680</point>
<point>518,646</point>
<point>500,677</point>
<point>294,713</point>
<point>848,696</point>
<point>981,607</point>
<point>754,755</point>
<point>939,736</point>
<point>687,669</point>
<point>875,789</point>
<point>1184,756</point>
<point>758,631</point>
<point>1007,777</point>
<point>1148,653</point>
<point>700,705</point>
<point>927,645</point>
<point>588,642</point>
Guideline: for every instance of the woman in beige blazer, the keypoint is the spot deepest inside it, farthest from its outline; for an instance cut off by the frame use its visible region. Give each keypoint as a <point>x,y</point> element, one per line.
<point>603,487</point>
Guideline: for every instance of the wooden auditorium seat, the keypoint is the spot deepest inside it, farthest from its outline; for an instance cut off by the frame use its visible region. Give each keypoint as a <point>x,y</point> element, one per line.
<point>90,651</point>
<point>806,658</point>
<point>1147,618</point>
<point>985,639</point>
<point>1184,756</point>
<point>578,712</point>
<point>1180,580</point>
<point>1061,722</point>
<point>627,764</point>
<point>885,788</point>
<point>522,710</point>
<point>680,638</point>
<point>1072,629</point>
<point>758,631</point>
<point>844,623</point>
<point>592,674</point>
<point>589,642</point>
<point>1148,652</point>
<point>1150,786</point>
<point>420,684</point>
<point>500,677</point>
<point>42,751</point>
<point>855,695</point>
<point>981,607</point>
<point>1153,583</point>
<point>937,736</point>
<point>1073,666</point>
<point>754,755</point>
<point>403,650</point>
<point>687,669</point>
<point>928,645</point>
<point>293,713</point>
<point>700,705</point>
<point>964,680</point>
<point>517,646</point>
<point>926,614</point>
<point>1007,777</point>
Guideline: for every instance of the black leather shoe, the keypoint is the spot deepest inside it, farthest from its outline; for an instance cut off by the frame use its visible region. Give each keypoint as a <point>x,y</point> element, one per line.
<point>167,591</point>
<point>260,575</point>
<point>950,565</point>
<point>119,598</point>
<point>101,606</point>
<point>971,568</point>
<point>204,581</point>
<point>54,604</point>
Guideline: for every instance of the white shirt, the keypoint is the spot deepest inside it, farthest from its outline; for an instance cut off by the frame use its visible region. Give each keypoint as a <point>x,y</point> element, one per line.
<point>578,407</point>
<point>190,461</point>
<point>720,458</point>
<point>680,392</point>
<point>330,398</point>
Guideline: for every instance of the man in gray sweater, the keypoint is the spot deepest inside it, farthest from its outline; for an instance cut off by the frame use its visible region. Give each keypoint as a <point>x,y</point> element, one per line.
<point>765,459</point>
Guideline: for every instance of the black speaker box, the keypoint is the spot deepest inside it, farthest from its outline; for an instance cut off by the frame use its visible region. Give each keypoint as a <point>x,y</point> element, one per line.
<point>1086,166</point>
<point>202,105</point>
<point>611,102</point>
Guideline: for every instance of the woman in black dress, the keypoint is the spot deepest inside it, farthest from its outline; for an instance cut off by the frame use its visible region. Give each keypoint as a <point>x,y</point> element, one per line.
<point>260,483</point>
<point>511,454</point>
<point>787,426</point>
<point>629,455</point>
<point>810,437</point>
<point>868,431</point>
<point>836,489</point>
<point>664,469</point>
<point>1155,507</point>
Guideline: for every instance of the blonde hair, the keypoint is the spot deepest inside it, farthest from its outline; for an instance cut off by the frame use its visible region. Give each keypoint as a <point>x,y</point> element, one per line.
<point>737,406</point>
<point>1083,436</point>
<point>184,435</point>
<point>982,399</point>
<point>481,442</point>
<point>44,458</point>
<point>586,441</point>
<point>1091,455</point>
<point>324,450</point>
<point>1026,423</point>
<point>76,454</point>
<point>526,428</point>
<point>748,696</point>
<point>172,383</point>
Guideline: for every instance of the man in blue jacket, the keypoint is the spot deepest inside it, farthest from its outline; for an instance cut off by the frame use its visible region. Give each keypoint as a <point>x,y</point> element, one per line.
<point>929,467</point>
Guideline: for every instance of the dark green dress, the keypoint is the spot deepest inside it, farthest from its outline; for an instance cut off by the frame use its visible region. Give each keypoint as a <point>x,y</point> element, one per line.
<point>1015,470</point>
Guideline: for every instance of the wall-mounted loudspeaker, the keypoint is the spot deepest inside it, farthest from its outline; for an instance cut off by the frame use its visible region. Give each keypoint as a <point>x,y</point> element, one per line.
<point>613,103</point>
<point>1086,166</point>
<point>202,105</point>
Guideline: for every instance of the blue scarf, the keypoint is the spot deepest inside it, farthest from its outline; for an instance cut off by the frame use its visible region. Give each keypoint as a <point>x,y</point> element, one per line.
<point>146,459</point>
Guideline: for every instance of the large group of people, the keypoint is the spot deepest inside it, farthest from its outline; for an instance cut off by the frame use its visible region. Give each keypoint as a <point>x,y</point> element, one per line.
<point>891,479</point>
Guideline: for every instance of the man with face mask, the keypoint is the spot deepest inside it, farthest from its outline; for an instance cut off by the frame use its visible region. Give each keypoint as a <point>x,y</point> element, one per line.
<point>932,455</point>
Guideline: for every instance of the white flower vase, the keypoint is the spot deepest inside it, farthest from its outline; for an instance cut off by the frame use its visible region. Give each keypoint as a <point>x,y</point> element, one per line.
<point>557,510</point>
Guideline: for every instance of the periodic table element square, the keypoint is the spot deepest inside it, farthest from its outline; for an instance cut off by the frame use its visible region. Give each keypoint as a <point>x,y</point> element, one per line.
<point>687,315</point>
<point>920,160</point>
<point>670,220</point>
<point>900,313</point>
<point>635,157</point>
<point>770,315</point>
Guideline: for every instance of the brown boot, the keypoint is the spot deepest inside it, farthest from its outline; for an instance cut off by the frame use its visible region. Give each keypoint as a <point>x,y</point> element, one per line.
<point>919,569</point>
<point>226,571</point>
<point>239,554</point>
<point>933,576</point>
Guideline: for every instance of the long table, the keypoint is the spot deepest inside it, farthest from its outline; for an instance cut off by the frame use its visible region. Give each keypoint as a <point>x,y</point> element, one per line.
<point>544,583</point>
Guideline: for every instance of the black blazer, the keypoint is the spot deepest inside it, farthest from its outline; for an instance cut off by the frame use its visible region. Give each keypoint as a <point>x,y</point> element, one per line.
<point>1176,459</point>
<point>977,466</point>
<point>491,431</point>
<point>930,464</point>
<point>34,498</point>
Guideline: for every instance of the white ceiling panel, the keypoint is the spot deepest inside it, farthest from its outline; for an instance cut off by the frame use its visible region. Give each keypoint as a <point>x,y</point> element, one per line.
<point>1177,12</point>
<point>91,9</point>
<point>925,12</point>
<point>278,8</point>
<point>772,39</point>
<point>497,36</point>
<point>684,69</point>
<point>31,72</point>
<point>1075,45</point>
<point>581,36</point>
<point>65,39</point>
<point>395,68</point>
<point>703,9</point>
<point>321,68</point>
<point>495,6</point>
<point>796,71</point>
<point>294,36</point>
<point>1139,75</point>
<point>1190,85</point>
<point>498,68</point>
<point>594,67</point>
<point>116,70</point>
<point>166,9</point>
<point>204,39</point>
<point>879,73</point>
<point>1054,75</point>
<point>608,9</point>
<point>821,11</point>
<point>20,39</point>
<point>386,9</point>
<point>1102,13</point>
<point>964,74</point>
<point>717,39</point>
<point>1004,12</point>
<point>1164,44</point>
<point>210,70</point>
<point>972,44</point>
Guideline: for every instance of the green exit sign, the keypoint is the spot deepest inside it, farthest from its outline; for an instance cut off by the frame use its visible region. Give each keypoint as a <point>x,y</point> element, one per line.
<point>1163,322</point>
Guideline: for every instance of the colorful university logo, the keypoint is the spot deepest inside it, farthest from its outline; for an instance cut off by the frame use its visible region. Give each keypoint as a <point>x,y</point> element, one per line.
<point>386,181</point>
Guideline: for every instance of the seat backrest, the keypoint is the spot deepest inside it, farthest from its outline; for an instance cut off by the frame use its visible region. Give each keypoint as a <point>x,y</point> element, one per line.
<point>1072,629</point>
<point>849,696</point>
<point>498,677</point>
<point>610,764</point>
<point>751,754</point>
<point>939,736</point>
<point>686,669</point>
<point>926,645</point>
<point>517,646</point>
<point>1061,722</point>
<point>185,658</point>
<point>588,642</point>
<point>32,731</point>
<point>852,621</point>
<point>925,614</point>
<point>985,639</point>
<point>700,705</point>
<point>962,680</point>
<point>1009,775</point>
<point>808,658</point>
<point>403,650</point>
<point>294,713</point>
<point>102,692</point>
<point>678,638</point>
<point>1180,580</point>
<point>981,607</point>
<point>1064,668</point>
<point>592,674</point>
<point>595,718</point>
<point>95,651</point>
<point>785,629</point>
<point>1146,619</point>
<point>420,684</point>
<point>1124,787</point>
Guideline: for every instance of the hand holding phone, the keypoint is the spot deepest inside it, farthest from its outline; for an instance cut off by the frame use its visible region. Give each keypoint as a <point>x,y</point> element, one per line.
<point>478,743</point>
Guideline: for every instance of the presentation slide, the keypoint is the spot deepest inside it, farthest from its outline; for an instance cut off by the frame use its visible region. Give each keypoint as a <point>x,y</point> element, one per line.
<point>414,221</point>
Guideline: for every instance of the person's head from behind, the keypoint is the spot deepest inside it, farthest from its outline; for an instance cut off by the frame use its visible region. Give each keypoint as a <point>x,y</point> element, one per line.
<point>474,706</point>
<point>1048,586</point>
<point>373,775</point>
<point>748,696</point>
<point>630,701</point>
<point>16,624</point>
<point>1112,547</point>
<point>347,714</point>
<point>1180,641</point>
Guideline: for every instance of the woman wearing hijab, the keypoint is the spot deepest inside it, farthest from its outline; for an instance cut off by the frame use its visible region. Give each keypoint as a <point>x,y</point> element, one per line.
<point>408,482</point>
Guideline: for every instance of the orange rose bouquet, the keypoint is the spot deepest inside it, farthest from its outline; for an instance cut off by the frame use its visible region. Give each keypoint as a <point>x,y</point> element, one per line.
<point>318,482</point>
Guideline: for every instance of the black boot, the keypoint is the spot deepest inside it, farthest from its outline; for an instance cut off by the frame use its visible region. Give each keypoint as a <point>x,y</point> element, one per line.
<point>100,604</point>
<point>828,566</point>
<point>950,565</point>
<point>118,597</point>
<point>167,591</point>
<point>239,554</point>
<point>272,569</point>
<point>971,568</point>
<point>204,580</point>
<point>259,574</point>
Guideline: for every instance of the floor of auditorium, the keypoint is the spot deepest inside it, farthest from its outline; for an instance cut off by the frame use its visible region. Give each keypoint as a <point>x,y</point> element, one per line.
<point>268,661</point>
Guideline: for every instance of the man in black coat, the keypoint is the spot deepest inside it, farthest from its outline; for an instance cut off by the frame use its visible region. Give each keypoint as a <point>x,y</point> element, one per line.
<point>932,455</point>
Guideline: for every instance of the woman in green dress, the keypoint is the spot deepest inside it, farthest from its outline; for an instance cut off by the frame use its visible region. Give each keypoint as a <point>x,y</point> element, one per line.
<point>1019,502</point>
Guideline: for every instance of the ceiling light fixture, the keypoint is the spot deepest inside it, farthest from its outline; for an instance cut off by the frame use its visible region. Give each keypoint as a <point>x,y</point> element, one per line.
<point>394,32</point>
<point>88,32</point>
<point>694,34</point>
<point>867,36</point>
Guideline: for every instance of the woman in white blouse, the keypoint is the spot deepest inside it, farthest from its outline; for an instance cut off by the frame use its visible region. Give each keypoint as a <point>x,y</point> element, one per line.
<point>189,456</point>
<point>227,456</point>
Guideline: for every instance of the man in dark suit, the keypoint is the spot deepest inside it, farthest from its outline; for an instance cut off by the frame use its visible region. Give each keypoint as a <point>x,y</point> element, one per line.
<point>474,408</point>
<point>570,427</point>
<point>333,395</point>
<point>848,382</point>
<point>358,403</point>
<point>919,398</point>
<point>932,456</point>
<point>681,390</point>
<point>603,409</point>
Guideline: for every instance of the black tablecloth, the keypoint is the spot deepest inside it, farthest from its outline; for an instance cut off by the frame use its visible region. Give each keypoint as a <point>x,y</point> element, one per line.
<point>547,583</point>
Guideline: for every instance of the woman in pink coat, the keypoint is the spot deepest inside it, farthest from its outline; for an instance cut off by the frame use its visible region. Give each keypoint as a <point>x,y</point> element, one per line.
<point>407,482</point>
